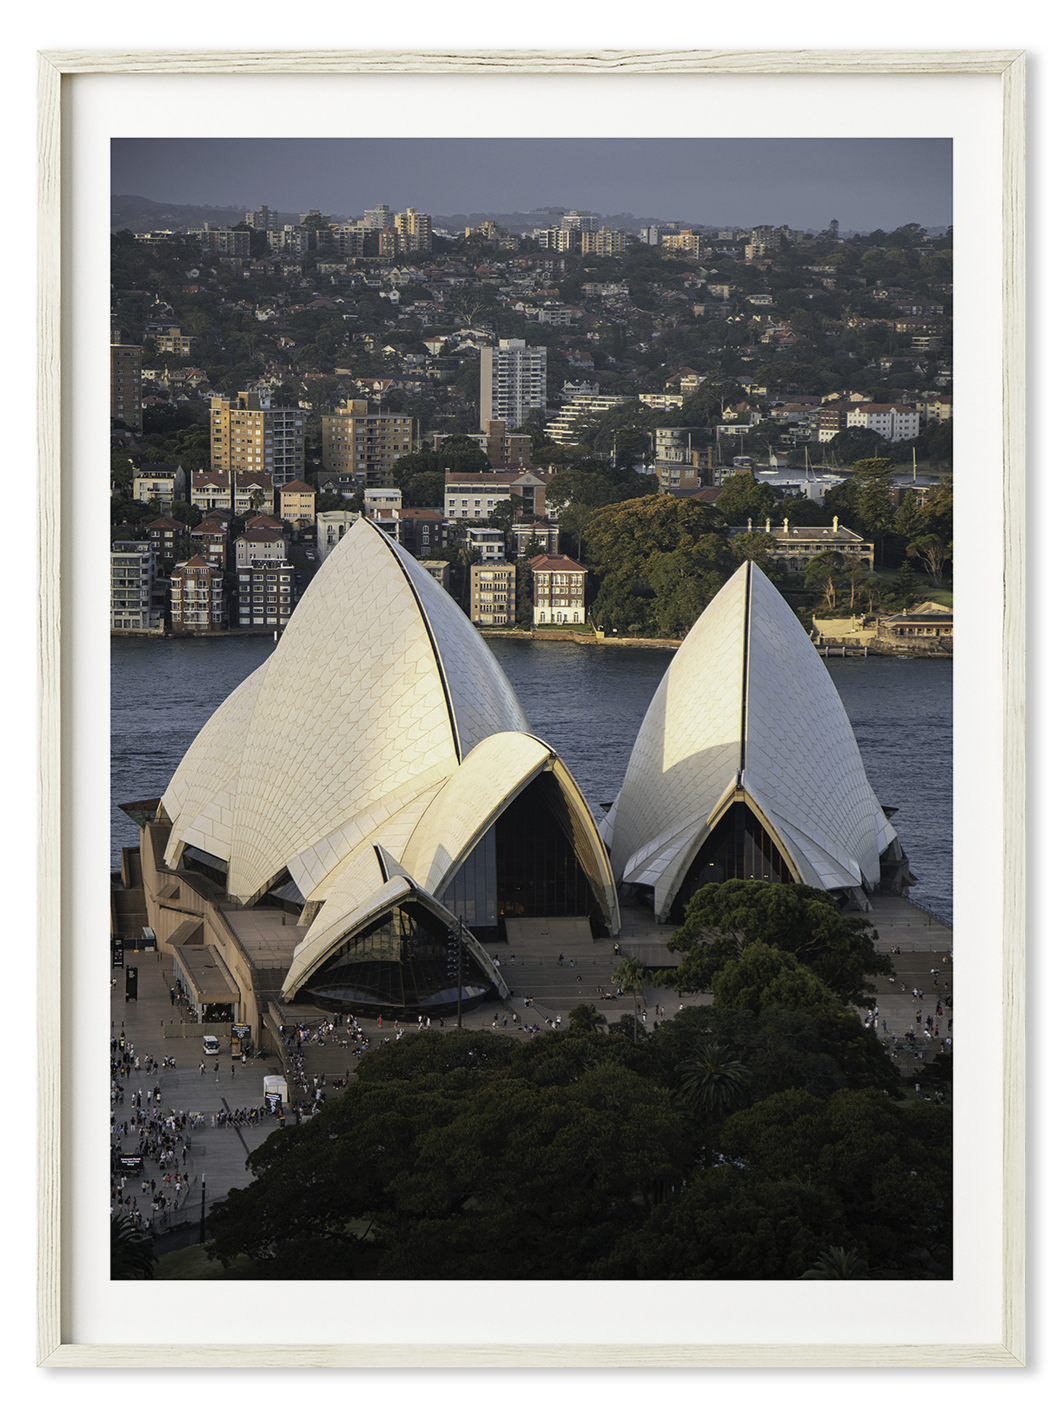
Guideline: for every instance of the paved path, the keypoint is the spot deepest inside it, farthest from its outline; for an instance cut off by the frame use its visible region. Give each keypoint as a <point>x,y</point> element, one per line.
<point>217,1152</point>
<point>554,986</point>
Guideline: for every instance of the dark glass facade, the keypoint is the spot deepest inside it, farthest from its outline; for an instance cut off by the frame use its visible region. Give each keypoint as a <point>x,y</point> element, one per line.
<point>399,965</point>
<point>739,848</point>
<point>525,865</point>
<point>538,869</point>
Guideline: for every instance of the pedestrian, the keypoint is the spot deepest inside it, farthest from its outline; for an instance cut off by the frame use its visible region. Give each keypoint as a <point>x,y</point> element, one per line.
<point>215,1072</point>
<point>202,1067</point>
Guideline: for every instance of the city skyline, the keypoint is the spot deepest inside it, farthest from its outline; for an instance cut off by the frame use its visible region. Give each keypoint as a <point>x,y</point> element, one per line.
<point>864,183</point>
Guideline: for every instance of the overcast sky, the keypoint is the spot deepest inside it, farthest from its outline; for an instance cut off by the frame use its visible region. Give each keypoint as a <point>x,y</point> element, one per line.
<point>866,183</point>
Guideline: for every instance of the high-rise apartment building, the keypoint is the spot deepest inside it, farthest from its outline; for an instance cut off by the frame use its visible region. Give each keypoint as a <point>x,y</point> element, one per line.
<point>685,242</point>
<point>567,427</point>
<point>247,434</point>
<point>493,593</point>
<point>262,219</point>
<point>378,217</point>
<point>414,229</point>
<point>126,406</point>
<point>132,583</point>
<point>196,596</point>
<point>603,241</point>
<point>224,241</point>
<point>266,594</point>
<point>651,235</point>
<point>288,240</point>
<point>580,221</point>
<point>365,446</point>
<point>512,382</point>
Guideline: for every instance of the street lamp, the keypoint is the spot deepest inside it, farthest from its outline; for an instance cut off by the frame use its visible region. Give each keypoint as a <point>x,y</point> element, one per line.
<point>454,943</point>
<point>203,1211</point>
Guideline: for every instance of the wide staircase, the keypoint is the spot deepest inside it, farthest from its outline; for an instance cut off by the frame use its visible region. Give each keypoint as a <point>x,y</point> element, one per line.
<point>129,914</point>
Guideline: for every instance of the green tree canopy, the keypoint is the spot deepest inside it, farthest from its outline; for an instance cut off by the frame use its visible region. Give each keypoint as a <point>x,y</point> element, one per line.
<point>722,919</point>
<point>890,1165</point>
<point>660,560</point>
<point>743,499</point>
<point>933,553</point>
<point>463,1155</point>
<point>759,547</point>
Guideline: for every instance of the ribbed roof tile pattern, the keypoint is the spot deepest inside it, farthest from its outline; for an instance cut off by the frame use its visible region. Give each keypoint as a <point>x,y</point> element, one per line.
<point>380,737</point>
<point>201,793</point>
<point>379,683</point>
<point>490,777</point>
<point>747,704</point>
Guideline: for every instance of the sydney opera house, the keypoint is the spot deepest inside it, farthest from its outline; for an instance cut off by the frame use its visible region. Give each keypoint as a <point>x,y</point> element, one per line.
<point>372,795</point>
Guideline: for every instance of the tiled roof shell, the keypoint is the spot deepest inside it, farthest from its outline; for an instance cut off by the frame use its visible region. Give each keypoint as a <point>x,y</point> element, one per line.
<point>746,707</point>
<point>379,684</point>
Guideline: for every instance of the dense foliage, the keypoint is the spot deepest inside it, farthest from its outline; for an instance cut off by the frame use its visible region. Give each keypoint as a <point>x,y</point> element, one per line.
<point>746,1139</point>
<point>659,561</point>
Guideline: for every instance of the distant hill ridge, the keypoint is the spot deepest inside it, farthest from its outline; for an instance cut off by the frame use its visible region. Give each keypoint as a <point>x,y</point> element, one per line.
<point>132,213</point>
<point>142,214</point>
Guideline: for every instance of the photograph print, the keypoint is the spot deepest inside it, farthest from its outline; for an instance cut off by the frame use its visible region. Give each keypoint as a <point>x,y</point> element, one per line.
<point>531,636</point>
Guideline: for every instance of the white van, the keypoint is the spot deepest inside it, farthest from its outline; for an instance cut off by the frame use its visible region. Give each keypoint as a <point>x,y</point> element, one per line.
<point>210,1043</point>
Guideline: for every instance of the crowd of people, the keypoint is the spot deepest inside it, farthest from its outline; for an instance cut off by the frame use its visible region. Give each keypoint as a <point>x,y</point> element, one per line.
<point>346,1033</point>
<point>149,1133</point>
<point>931,1029</point>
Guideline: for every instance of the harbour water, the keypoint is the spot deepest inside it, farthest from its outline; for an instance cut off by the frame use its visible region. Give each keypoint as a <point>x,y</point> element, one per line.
<point>587,701</point>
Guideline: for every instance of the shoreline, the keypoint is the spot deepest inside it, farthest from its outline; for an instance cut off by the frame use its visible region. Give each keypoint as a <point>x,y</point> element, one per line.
<point>543,636</point>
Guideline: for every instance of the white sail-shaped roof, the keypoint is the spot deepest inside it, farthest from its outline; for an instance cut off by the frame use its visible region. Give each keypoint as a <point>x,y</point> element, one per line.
<point>377,689</point>
<point>367,756</point>
<point>748,711</point>
<point>201,793</point>
<point>428,844</point>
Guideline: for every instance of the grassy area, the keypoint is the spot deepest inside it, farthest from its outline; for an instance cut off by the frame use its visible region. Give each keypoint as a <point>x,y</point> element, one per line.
<point>192,1263</point>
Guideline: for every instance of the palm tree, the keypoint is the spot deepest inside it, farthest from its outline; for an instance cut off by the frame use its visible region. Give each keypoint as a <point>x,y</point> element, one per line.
<point>712,1084</point>
<point>837,1263</point>
<point>132,1256</point>
<point>632,974</point>
<point>585,1018</point>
